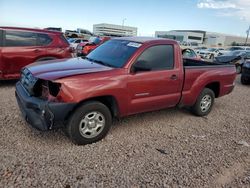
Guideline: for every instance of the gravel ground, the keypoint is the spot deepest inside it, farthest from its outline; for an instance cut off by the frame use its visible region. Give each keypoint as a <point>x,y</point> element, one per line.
<point>167,148</point>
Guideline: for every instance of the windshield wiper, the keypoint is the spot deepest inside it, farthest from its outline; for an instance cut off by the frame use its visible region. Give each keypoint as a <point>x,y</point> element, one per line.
<point>99,62</point>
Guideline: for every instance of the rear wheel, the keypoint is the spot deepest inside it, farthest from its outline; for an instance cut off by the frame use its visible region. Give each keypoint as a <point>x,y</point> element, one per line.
<point>74,36</point>
<point>204,103</point>
<point>89,123</point>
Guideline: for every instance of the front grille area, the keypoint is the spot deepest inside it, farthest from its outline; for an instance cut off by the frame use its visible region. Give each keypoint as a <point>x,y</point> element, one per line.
<point>28,81</point>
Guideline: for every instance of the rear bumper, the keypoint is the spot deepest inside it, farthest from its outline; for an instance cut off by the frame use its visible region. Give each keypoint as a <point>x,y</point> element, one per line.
<point>41,114</point>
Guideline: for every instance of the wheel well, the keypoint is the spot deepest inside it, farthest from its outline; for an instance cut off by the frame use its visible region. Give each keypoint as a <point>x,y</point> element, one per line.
<point>108,101</point>
<point>46,58</point>
<point>74,35</point>
<point>215,87</point>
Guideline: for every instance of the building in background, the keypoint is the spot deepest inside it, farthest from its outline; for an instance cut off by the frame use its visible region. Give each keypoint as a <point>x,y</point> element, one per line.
<point>202,37</point>
<point>105,29</point>
<point>188,36</point>
<point>217,39</point>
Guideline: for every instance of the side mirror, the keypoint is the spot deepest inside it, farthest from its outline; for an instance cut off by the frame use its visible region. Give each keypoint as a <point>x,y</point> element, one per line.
<point>140,66</point>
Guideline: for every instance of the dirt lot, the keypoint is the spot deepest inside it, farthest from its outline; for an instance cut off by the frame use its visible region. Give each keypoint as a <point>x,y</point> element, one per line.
<point>168,148</point>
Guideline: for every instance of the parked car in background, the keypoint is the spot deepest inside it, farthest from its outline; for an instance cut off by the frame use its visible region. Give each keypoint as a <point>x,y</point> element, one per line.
<point>189,44</point>
<point>235,48</point>
<point>22,46</point>
<point>79,33</point>
<point>190,53</point>
<point>245,75</point>
<point>200,48</point>
<point>75,41</point>
<point>85,48</point>
<point>121,77</point>
<point>209,53</point>
<point>236,57</point>
<point>54,28</point>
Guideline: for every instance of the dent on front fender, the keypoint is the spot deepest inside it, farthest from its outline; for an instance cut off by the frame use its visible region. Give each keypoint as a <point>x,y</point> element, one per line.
<point>65,94</point>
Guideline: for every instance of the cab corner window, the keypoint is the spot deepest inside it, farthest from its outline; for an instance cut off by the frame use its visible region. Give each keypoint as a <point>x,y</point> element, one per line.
<point>44,39</point>
<point>160,57</point>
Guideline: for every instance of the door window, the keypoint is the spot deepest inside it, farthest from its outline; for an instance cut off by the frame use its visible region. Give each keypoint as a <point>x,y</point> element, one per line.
<point>20,38</point>
<point>159,57</point>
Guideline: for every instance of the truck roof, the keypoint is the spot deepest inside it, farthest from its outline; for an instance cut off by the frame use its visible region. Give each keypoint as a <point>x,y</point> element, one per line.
<point>30,29</point>
<point>144,39</point>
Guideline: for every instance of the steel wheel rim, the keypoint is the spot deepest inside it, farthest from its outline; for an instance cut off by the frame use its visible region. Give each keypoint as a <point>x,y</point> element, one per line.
<point>92,124</point>
<point>206,102</point>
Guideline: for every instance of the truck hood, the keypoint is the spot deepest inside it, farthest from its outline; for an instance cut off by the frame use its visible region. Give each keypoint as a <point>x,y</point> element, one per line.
<point>61,68</point>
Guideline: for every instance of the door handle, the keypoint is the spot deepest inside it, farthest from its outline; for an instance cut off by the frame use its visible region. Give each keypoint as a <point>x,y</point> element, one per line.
<point>37,50</point>
<point>173,77</point>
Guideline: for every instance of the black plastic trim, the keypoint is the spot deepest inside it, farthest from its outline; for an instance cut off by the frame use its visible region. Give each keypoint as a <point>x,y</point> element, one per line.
<point>41,114</point>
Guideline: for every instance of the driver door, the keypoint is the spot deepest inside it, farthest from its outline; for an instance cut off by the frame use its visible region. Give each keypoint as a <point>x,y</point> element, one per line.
<point>154,82</point>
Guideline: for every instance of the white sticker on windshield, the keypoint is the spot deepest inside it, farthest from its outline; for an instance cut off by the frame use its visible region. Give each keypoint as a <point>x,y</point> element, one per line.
<point>134,44</point>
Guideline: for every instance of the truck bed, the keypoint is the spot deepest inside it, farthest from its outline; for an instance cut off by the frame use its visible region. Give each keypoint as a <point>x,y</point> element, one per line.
<point>197,74</point>
<point>199,63</point>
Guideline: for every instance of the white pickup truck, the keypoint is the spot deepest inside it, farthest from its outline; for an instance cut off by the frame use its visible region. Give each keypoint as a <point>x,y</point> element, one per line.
<point>79,33</point>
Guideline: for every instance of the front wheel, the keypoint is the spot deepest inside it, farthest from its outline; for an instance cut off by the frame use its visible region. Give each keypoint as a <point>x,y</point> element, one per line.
<point>89,123</point>
<point>204,103</point>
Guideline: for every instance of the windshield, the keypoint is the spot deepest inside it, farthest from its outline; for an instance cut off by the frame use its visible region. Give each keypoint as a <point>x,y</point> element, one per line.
<point>114,53</point>
<point>71,40</point>
<point>95,40</point>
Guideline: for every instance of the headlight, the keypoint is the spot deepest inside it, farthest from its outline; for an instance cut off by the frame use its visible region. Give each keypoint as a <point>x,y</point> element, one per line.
<point>54,88</point>
<point>28,80</point>
<point>46,89</point>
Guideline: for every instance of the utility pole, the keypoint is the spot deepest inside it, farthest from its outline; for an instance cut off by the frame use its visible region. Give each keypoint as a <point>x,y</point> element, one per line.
<point>247,35</point>
<point>123,21</point>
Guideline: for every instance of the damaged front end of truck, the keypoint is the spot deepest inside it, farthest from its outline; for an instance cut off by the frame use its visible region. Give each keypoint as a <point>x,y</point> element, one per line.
<point>40,103</point>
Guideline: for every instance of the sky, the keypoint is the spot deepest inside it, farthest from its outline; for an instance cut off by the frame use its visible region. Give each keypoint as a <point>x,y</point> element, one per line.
<point>223,16</point>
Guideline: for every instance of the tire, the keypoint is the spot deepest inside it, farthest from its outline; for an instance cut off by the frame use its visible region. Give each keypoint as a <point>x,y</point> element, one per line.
<point>204,103</point>
<point>82,127</point>
<point>74,36</point>
<point>243,80</point>
<point>238,69</point>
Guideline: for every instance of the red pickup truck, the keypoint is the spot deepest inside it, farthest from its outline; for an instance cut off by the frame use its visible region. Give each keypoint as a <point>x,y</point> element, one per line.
<point>121,77</point>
